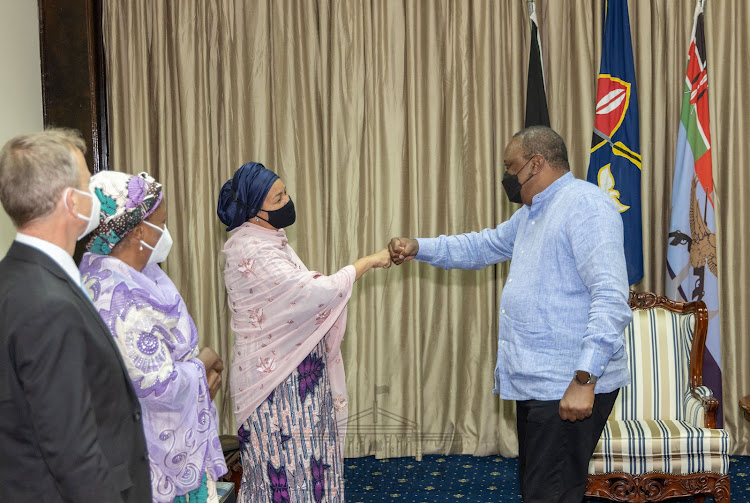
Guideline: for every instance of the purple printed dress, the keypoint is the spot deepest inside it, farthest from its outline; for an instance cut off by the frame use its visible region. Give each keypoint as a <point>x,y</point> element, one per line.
<point>159,343</point>
<point>289,444</point>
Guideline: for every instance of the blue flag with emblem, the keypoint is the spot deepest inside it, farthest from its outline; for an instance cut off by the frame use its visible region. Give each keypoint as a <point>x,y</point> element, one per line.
<point>615,163</point>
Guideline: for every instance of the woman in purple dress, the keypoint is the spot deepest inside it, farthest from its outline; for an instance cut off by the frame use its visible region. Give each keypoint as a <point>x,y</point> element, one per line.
<point>174,381</point>
<point>287,379</point>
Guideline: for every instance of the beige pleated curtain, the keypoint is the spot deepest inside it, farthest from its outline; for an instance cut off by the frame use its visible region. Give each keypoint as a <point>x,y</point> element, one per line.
<point>389,118</point>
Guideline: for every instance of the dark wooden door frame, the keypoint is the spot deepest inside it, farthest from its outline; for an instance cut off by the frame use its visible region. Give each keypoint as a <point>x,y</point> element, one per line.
<point>74,90</point>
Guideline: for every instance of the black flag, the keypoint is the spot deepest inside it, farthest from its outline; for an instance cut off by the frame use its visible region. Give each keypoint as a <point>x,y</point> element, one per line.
<point>536,98</point>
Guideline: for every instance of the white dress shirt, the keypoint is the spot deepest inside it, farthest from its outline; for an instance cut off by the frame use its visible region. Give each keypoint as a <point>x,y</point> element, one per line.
<point>57,254</point>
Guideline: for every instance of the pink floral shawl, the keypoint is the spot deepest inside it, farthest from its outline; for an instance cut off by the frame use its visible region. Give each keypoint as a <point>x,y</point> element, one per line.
<point>280,312</point>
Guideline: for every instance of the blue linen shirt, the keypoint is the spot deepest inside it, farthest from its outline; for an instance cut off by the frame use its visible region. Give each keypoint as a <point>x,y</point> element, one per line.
<point>564,305</point>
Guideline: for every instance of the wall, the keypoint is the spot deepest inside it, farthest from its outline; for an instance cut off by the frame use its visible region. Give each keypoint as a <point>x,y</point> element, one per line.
<point>20,87</point>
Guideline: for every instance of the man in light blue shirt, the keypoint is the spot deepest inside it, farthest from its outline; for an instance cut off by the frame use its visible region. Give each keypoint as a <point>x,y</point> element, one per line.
<point>563,310</point>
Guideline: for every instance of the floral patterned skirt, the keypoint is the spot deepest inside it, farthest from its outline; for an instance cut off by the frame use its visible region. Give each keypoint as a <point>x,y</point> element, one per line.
<point>289,446</point>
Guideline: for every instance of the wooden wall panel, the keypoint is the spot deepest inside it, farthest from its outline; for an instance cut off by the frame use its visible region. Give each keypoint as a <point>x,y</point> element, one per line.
<point>73,73</point>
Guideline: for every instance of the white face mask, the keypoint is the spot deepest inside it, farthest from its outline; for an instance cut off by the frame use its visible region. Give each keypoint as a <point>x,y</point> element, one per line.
<point>93,218</point>
<point>160,251</point>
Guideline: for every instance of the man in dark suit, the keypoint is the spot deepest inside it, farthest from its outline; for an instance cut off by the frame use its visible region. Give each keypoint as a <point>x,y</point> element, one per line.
<point>70,422</point>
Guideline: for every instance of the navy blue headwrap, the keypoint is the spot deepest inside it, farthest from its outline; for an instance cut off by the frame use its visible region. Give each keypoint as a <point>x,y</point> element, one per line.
<point>241,197</point>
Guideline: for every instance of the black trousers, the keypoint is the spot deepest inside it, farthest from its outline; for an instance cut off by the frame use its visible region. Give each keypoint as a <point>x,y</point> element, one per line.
<point>554,455</point>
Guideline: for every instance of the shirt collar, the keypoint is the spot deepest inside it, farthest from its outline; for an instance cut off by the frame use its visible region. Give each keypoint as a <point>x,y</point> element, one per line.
<point>57,254</point>
<point>552,189</point>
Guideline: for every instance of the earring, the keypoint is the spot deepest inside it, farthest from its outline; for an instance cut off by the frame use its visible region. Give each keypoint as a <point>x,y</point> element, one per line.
<point>140,247</point>
<point>257,219</point>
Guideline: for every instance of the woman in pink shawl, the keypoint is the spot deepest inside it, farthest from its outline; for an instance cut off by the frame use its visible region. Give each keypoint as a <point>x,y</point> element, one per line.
<point>287,378</point>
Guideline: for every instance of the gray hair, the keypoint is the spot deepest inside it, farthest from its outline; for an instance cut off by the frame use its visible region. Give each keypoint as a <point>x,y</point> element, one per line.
<point>34,170</point>
<point>546,142</point>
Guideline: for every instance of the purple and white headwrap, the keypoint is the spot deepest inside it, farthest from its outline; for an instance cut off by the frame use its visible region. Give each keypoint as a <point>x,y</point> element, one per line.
<point>126,200</point>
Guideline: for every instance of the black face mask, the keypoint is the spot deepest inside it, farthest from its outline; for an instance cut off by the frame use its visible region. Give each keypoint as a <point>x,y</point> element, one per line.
<point>283,217</point>
<point>513,187</point>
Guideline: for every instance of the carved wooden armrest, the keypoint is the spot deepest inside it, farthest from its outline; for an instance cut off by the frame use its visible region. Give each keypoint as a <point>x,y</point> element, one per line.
<point>710,405</point>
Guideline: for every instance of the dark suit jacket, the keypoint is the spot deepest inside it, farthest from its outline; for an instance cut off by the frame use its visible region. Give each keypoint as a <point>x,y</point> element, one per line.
<point>70,422</point>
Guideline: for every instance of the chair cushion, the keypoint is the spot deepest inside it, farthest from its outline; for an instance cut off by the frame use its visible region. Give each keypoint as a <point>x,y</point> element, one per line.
<point>667,446</point>
<point>658,343</point>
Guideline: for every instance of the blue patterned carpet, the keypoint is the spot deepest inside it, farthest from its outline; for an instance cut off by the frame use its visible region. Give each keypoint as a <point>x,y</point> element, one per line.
<point>466,479</point>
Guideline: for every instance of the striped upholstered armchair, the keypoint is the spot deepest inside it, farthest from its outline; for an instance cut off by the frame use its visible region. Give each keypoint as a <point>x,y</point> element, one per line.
<point>661,441</point>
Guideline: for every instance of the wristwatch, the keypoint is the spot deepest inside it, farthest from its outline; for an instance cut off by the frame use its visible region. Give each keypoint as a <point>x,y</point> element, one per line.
<point>584,377</point>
